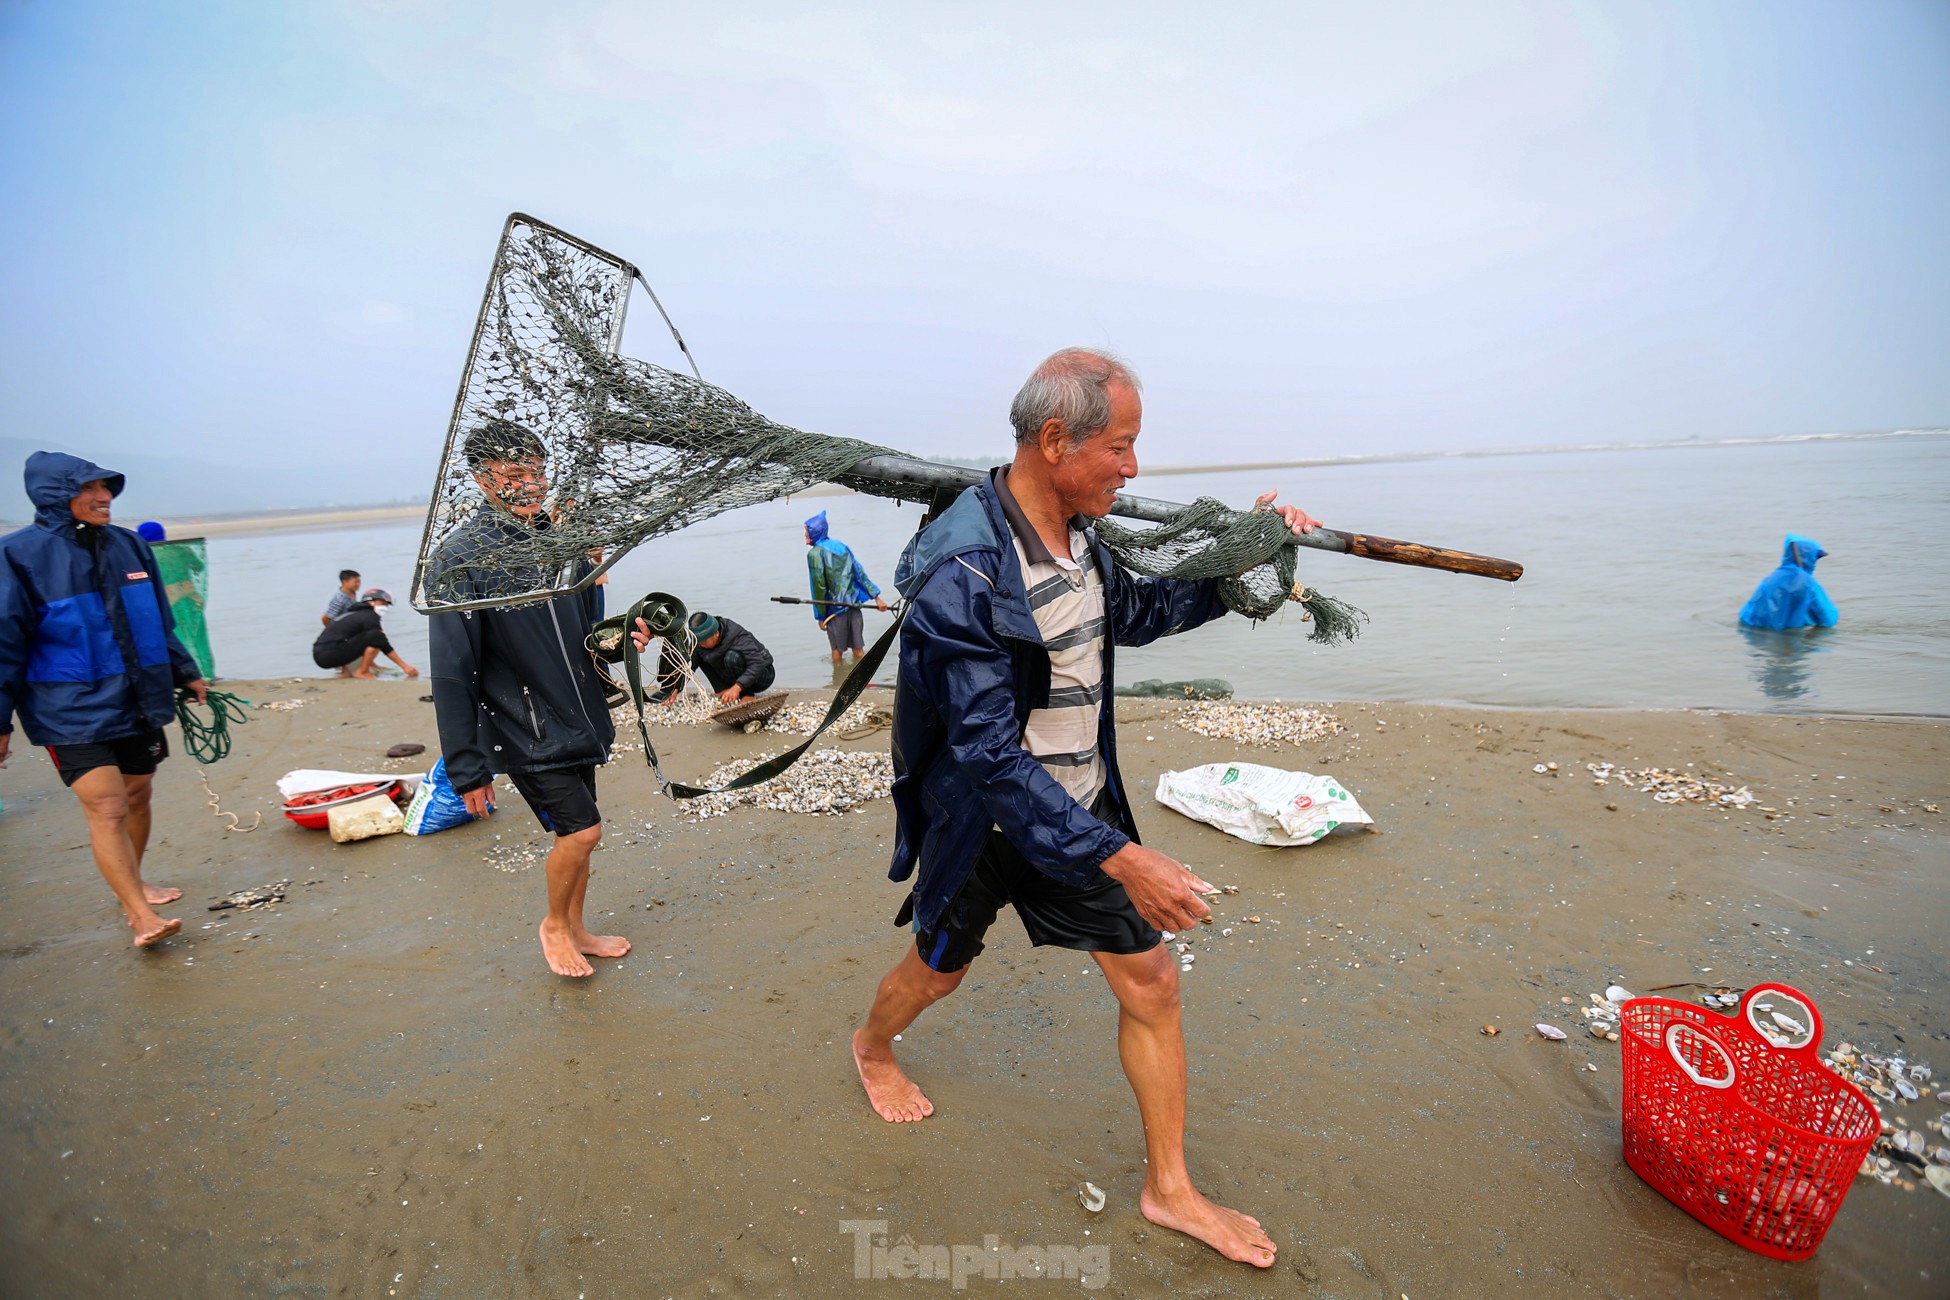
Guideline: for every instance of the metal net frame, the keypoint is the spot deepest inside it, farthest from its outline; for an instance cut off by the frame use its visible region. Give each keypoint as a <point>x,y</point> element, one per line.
<point>628,450</point>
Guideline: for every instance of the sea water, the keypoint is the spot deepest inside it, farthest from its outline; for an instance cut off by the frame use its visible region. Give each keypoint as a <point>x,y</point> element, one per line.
<point>1636,563</point>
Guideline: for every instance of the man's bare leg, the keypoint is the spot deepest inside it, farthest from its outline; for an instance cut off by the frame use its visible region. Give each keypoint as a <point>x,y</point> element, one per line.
<point>568,870</point>
<point>137,788</point>
<point>592,945</point>
<point>906,991</point>
<point>366,661</point>
<point>105,802</point>
<point>1151,1043</point>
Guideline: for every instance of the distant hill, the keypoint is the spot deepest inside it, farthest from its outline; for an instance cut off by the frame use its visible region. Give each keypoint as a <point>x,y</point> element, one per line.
<point>175,487</point>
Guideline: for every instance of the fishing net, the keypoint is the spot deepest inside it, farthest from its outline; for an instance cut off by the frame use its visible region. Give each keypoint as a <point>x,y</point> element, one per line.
<point>563,454</point>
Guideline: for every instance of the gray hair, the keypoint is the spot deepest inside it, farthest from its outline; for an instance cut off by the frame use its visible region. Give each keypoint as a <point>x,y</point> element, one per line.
<point>1070,386</point>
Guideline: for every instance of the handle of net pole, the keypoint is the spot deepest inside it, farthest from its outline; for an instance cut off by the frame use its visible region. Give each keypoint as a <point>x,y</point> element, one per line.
<point>1423,557</point>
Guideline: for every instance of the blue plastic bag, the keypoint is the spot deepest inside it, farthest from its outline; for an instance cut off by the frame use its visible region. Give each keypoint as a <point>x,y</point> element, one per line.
<point>1790,597</point>
<point>436,806</point>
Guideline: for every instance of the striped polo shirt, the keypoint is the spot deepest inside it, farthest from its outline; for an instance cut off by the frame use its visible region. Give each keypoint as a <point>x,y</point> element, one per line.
<point>1066,597</point>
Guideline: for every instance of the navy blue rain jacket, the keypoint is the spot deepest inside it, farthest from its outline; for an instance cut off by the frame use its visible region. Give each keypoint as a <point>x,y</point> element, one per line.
<point>972,666</point>
<point>88,648</point>
<point>1790,597</point>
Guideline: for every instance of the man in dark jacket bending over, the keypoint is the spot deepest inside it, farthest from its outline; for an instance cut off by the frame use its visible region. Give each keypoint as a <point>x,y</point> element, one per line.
<point>513,689</point>
<point>1006,786</point>
<point>734,661</point>
<point>89,658</point>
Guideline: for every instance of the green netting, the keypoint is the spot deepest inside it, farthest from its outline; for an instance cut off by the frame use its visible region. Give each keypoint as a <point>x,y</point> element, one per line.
<point>563,454</point>
<point>185,570</point>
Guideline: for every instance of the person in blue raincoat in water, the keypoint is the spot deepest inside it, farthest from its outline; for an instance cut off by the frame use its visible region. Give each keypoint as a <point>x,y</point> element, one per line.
<point>1790,597</point>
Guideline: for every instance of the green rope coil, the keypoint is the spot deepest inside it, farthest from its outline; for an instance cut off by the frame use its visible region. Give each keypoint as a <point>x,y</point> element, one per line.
<point>209,741</point>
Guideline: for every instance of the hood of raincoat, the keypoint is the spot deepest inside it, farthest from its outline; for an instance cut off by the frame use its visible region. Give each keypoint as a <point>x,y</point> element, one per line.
<point>54,478</point>
<point>1801,552</point>
<point>816,528</point>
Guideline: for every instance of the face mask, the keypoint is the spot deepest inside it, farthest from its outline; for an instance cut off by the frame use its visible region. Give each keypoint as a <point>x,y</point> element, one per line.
<point>380,610</point>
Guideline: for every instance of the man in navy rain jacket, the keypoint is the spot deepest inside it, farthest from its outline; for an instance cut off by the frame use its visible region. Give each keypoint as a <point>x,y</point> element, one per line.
<point>1006,788</point>
<point>90,661</point>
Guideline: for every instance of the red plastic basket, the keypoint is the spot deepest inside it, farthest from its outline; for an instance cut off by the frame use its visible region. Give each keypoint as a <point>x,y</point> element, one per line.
<point>1758,1141</point>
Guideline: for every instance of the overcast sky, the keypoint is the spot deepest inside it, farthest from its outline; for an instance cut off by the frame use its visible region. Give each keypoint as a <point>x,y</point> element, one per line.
<point>258,232</point>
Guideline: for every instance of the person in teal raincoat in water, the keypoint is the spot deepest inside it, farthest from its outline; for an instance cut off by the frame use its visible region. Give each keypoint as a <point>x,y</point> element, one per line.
<point>1790,597</point>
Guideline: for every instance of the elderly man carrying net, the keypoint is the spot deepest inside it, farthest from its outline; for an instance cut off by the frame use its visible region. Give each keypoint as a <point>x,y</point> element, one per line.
<point>1007,788</point>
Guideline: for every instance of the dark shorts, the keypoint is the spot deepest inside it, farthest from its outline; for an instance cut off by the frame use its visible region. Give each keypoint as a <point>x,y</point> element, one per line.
<point>1097,917</point>
<point>563,799</point>
<point>847,631</point>
<point>135,755</point>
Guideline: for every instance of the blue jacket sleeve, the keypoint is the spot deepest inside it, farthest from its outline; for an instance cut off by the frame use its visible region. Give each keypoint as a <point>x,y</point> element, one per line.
<point>454,658</point>
<point>968,675</point>
<point>1143,609</point>
<point>16,634</point>
<point>860,587</point>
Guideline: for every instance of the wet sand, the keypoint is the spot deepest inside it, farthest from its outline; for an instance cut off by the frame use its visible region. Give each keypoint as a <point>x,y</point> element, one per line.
<point>377,1088</point>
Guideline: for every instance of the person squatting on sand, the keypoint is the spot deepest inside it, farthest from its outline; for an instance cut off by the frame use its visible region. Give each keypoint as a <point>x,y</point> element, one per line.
<point>735,662</point>
<point>355,639</point>
<point>1007,789</point>
<point>90,660</point>
<point>513,691</point>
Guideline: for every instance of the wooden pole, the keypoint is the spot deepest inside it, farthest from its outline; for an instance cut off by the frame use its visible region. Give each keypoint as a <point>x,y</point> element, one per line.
<point>876,472</point>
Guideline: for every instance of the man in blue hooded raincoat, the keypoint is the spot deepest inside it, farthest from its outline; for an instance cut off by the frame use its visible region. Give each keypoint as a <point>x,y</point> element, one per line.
<point>90,661</point>
<point>839,587</point>
<point>1006,786</point>
<point>1790,597</point>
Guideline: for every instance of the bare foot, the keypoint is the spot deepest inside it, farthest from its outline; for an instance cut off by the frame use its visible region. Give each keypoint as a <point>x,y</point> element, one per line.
<point>151,935</point>
<point>893,1095</point>
<point>560,950</point>
<point>365,675</point>
<point>157,895</point>
<point>1234,1235</point>
<point>601,945</point>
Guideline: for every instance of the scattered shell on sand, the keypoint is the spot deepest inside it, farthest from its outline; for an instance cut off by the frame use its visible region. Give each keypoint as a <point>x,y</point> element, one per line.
<point>822,781</point>
<point>1091,1197</point>
<point>1489,1031</point>
<point>1552,1032</point>
<point>1617,993</point>
<point>1260,724</point>
<point>1673,787</point>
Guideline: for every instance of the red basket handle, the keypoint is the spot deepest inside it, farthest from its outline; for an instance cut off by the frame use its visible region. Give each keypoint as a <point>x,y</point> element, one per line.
<point>1750,1012</point>
<point>1679,1027</point>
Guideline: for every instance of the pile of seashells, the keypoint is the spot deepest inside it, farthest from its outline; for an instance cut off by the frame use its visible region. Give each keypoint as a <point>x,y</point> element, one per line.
<point>822,781</point>
<point>283,706</point>
<point>1260,724</point>
<point>691,709</point>
<point>1900,1153</point>
<point>803,719</point>
<point>1674,787</point>
<point>1889,1078</point>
